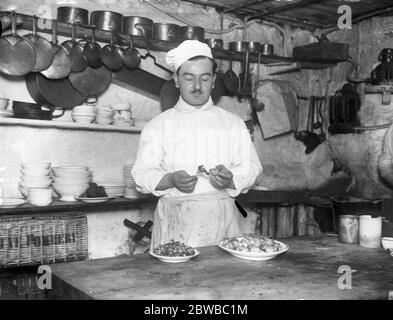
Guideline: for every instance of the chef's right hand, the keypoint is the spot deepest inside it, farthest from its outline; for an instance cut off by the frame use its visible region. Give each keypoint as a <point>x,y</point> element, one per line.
<point>183,181</point>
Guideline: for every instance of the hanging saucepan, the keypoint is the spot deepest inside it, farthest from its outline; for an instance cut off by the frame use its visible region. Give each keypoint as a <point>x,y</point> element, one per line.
<point>62,63</point>
<point>130,23</point>
<point>107,20</point>
<point>230,79</point>
<point>254,47</point>
<point>192,33</point>
<point>132,57</point>
<point>53,93</point>
<point>75,15</point>
<point>42,47</point>
<point>112,56</point>
<point>35,113</point>
<point>92,51</point>
<point>166,32</point>
<point>75,49</point>
<point>91,81</point>
<point>17,55</point>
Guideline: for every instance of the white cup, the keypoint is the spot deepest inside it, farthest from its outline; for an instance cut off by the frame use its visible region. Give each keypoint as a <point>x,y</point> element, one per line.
<point>3,103</point>
<point>39,196</point>
<point>122,115</point>
<point>370,231</point>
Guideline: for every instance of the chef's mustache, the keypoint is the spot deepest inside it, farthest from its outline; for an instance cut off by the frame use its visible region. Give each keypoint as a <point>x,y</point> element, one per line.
<point>196,92</point>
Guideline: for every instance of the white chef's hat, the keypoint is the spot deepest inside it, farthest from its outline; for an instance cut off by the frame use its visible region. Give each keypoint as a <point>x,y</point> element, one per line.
<point>186,50</point>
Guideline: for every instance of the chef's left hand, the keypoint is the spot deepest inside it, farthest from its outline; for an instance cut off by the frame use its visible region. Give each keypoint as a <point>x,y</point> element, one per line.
<point>221,178</point>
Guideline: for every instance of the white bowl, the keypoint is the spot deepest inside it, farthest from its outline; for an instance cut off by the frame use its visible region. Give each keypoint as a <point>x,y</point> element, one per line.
<point>84,109</point>
<point>173,259</point>
<point>121,106</point>
<point>39,197</point>
<point>255,256</point>
<point>35,184</point>
<point>72,180</point>
<point>36,165</point>
<point>387,243</point>
<point>35,173</point>
<point>100,120</point>
<point>68,193</point>
<point>71,170</point>
<point>83,118</point>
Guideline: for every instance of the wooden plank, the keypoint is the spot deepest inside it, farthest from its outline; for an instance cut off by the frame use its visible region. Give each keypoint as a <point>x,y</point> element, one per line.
<point>309,270</point>
<point>301,221</point>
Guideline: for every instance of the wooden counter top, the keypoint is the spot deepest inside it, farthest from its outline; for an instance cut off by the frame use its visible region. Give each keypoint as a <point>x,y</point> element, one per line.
<point>309,270</point>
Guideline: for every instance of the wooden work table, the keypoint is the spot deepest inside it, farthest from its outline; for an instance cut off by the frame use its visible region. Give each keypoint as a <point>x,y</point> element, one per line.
<point>309,270</point>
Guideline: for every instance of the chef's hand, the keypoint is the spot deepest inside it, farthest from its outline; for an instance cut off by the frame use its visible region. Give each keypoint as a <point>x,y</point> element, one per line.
<point>183,181</point>
<point>221,178</point>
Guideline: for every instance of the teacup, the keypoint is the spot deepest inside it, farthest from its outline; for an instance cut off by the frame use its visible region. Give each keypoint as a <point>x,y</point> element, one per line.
<point>3,103</point>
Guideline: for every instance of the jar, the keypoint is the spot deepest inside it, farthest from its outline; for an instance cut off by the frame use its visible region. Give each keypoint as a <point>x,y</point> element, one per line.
<point>349,229</point>
<point>370,231</point>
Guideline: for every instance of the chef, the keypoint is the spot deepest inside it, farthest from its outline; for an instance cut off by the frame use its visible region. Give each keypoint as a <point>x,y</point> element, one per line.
<point>195,208</point>
<point>385,162</point>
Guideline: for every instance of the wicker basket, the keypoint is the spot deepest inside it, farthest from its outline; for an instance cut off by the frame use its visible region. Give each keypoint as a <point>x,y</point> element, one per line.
<point>34,240</point>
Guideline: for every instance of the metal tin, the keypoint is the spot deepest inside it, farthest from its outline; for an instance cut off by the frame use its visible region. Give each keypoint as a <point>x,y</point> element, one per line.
<point>267,49</point>
<point>132,25</point>
<point>238,46</point>
<point>192,33</point>
<point>166,31</point>
<point>69,14</point>
<point>254,46</point>
<point>107,20</point>
<point>349,229</point>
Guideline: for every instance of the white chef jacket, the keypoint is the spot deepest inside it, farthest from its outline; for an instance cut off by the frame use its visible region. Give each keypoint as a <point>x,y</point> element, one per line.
<point>185,137</point>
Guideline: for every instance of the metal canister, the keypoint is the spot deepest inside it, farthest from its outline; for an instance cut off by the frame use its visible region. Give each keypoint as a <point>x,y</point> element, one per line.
<point>238,46</point>
<point>192,33</point>
<point>267,49</point>
<point>107,20</point>
<point>69,14</point>
<point>138,26</point>
<point>166,31</point>
<point>254,46</point>
<point>349,229</point>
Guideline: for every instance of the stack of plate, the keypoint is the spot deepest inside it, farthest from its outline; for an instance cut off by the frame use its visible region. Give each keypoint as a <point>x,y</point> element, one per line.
<point>34,175</point>
<point>127,176</point>
<point>71,181</point>
<point>113,189</point>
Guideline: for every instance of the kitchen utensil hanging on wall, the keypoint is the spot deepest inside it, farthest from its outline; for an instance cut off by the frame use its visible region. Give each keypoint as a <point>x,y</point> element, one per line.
<point>166,32</point>
<point>256,104</point>
<point>112,55</point>
<point>230,78</point>
<point>75,49</point>
<point>51,92</point>
<point>245,76</point>
<point>92,51</point>
<point>132,57</point>
<point>69,14</point>
<point>17,55</point>
<point>42,47</point>
<point>130,23</point>
<point>62,63</point>
<point>192,33</point>
<point>107,20</point>
<point>91,81</point>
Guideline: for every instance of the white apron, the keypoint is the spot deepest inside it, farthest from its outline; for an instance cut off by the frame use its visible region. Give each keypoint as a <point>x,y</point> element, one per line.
<point>196,220</point>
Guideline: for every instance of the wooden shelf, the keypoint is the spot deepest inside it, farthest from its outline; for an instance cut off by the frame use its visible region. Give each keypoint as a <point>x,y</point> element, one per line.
<point>67,125</point>
<point>64,29</point>
<point>61,206</point>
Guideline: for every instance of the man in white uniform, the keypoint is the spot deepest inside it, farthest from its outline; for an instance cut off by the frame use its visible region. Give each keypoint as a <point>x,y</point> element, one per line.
<point>196,209</point>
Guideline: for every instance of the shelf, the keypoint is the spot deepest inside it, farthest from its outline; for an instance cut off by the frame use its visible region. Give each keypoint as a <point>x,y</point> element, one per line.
<point>61,206</point>
<point>64,29</point>
<point>67,125</point>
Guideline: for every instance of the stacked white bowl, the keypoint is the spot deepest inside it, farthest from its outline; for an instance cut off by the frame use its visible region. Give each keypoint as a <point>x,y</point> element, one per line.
<point>71,181</point>
<point>34,175</point>
<point>40,196</point>
<point>122,114</point>
<point>113,189</point>
<point>83,114</point>
<point>104,115</point>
